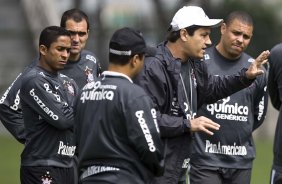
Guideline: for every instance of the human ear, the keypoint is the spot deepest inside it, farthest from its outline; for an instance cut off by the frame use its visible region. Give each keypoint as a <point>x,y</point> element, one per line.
<point>43,49</point>
<point>183,34</point>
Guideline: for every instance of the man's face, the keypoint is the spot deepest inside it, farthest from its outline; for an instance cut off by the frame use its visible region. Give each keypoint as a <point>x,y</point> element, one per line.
<point>196,44</point>
<point>79,35</point>
<point>235,38</point>
<point>57,55</point>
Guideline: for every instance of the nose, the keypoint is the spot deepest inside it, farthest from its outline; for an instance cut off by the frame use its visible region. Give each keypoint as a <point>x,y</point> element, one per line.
<point>208,41</point>
<point>240,38</point>
<point>65,54</point>
<point>75,37</point>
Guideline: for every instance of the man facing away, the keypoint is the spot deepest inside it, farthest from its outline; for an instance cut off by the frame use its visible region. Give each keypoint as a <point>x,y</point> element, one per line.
<point>82,66</point>
<point>227,156</point>
<point>275,93</point>
<point>115,124</point>
<point>179,84</point>
<point>47,97</point>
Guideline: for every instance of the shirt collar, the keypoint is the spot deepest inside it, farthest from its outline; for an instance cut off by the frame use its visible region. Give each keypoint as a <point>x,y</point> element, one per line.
<point>116,74</point>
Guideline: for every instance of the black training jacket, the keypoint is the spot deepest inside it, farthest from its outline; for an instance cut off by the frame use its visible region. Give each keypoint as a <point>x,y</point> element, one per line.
<point>275,93</point>
<point>238,115</point>
<point>82,71</point>
<point>116,127</point>
<point>178,90</point>
<point>46,100</point>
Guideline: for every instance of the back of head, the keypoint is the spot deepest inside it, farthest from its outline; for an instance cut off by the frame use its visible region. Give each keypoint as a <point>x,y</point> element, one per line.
<point>242,16</point>
<point>75,14</point>
<point>190,18</point>
<point>124,44</point>
<point>50,34</point>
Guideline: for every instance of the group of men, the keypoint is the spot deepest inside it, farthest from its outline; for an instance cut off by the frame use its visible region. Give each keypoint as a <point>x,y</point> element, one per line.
<point>153,115</point>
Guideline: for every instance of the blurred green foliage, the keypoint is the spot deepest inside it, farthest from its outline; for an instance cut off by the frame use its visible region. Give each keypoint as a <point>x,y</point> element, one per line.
<point>10,151</point>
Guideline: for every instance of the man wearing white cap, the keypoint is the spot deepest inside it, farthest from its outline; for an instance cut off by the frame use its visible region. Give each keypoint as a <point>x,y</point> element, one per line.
<point>179,84</point>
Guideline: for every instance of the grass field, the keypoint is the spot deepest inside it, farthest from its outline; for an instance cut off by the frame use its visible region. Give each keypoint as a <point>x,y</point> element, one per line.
<point>10,161</point>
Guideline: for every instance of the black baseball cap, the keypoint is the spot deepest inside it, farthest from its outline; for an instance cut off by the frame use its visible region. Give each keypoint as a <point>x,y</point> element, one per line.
<point>127,42</point>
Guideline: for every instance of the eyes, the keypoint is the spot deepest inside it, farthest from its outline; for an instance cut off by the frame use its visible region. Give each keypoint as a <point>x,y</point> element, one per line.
<point>61,49</point>
<point>245,36</point>
<point>79,33</point>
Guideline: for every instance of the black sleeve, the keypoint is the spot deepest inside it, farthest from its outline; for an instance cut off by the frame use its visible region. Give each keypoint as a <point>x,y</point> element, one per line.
<point>274,78</point>
<point>212,88</point>
<point>11,112</point>
<point>142,129</point>
<point>260,100</point>
<point>40,95</point>
<point>153,81</point>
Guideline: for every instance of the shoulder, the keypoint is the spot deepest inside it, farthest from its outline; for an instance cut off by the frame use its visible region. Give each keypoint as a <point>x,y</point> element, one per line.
<point>275,54</point>
<point>131,90</point>
<point>153,61</point>
<point>277,48</point>
<point>88,56</point>
<point>209,54</point>
<point>246,59</point>
<point>32,74</point>
<point>34,77</point>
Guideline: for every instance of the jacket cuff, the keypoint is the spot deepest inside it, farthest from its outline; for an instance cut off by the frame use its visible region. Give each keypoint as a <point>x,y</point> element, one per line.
<point>244,78</point>
<point>186,125</point>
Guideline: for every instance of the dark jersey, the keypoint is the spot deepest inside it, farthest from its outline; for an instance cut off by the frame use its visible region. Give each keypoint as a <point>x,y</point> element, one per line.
<point>122,134</point>
<point>82,71</point>
<point>46,101</point>
<point>85,70</point>
<point>275,93</point>
<point>238,115</point>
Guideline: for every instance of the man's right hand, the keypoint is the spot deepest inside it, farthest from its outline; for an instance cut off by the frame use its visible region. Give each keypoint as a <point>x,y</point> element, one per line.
<point>203,124</point>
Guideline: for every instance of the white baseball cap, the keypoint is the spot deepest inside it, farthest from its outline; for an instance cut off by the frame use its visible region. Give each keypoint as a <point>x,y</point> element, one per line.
<point>192,15</point>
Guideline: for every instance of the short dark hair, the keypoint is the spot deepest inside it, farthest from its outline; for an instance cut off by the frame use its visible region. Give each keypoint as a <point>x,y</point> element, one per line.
<point>50,34</point>
<point>241,16</point>
<point>172,36</point>
<point>122,59</point>
<point>76,14</point>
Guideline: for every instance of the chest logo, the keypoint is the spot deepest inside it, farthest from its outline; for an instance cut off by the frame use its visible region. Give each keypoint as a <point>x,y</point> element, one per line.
<point>89,74</point>
<point>69,87</point>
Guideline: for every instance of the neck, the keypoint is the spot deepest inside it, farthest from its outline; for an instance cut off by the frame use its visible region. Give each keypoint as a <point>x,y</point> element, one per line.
<point>220,48</point>
<point>121,69</point>
<point>74,57</point>
<point>176,50</point>
<point>42,64</point>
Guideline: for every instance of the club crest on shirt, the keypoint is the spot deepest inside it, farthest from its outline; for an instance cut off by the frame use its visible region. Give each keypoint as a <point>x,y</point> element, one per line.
<point>46,178</point>
<point>68,85</point>
<point>89,74</point>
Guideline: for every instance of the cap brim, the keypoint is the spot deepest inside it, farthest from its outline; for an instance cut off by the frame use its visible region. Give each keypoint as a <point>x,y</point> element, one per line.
<point>211,23</point>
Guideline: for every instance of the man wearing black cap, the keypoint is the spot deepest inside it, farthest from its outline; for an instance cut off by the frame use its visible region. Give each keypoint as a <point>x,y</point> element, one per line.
<point>116,128</point>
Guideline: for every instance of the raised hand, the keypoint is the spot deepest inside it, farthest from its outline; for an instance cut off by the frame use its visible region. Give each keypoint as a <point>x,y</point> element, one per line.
<point>255,68</point>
